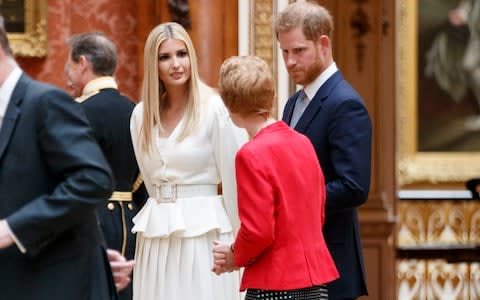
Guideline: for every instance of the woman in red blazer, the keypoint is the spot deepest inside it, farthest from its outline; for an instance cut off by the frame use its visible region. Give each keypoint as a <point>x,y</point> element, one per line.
<point>281,191</point>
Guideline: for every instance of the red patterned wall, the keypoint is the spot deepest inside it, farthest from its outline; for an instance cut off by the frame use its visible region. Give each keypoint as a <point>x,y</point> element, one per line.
<point>117,19</point>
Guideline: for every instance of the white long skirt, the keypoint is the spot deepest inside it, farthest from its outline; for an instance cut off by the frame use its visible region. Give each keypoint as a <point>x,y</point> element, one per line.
<point>177,268</point>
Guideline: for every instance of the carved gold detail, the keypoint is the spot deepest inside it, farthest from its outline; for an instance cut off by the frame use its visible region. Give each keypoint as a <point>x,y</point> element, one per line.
<point>435,279</point>
<point>438,222</point>
<point>262,39</point>
<point>33,42</point>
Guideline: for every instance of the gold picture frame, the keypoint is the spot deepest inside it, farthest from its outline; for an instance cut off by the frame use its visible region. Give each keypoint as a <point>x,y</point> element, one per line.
<point>33,41</point>
<point>414,166</point>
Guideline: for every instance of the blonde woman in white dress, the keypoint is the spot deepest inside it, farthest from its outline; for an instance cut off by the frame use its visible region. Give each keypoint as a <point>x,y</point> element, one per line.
<point>185,146</point>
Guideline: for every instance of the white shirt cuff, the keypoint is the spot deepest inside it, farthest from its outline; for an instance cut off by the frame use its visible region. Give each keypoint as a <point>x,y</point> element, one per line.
<point>15,239</point>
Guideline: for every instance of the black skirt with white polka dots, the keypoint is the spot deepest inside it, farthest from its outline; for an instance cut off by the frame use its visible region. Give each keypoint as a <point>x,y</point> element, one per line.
<point>310,293</point>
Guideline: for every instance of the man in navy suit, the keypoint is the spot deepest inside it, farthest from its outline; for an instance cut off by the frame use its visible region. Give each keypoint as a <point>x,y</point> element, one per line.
<point>332,115</point>
<point>53,176</point>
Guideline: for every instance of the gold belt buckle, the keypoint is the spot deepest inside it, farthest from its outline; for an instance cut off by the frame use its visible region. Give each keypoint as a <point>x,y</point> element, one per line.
<point>166,193</point>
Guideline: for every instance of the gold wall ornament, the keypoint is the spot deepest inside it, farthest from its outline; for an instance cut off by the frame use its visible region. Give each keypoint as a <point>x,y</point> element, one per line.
<point>438,222</point>
<point>415,166</point>
<point>262,38</point>
<point>435,279</point>
<point>33,41</point>
<point>473,221</point>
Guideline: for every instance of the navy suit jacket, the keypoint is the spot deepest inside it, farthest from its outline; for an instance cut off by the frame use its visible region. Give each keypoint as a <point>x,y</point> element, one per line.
<point>53,176</point>
<point>338,125</point>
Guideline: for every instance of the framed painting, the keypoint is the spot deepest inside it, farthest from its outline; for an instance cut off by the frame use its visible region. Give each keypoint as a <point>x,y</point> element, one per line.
<point>438,91</point>
<point>26,24</point>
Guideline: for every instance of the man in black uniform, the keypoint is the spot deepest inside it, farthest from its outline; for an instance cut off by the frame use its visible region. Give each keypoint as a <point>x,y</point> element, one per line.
<point>89,69</point>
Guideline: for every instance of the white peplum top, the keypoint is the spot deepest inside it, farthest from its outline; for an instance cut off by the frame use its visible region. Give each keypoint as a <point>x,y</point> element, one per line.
<point>206,157</point>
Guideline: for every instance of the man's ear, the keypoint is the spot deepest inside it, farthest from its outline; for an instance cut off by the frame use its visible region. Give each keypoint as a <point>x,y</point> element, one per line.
<point>325,46</point>
<point>324,41</point>
<point>83,62</point>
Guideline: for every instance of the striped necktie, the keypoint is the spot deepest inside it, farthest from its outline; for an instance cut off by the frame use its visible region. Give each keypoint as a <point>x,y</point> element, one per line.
<point>300,105</point>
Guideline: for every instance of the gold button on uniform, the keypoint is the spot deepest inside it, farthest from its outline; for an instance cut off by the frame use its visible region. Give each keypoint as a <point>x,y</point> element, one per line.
<point>110,206</point>
<point>130,206</point>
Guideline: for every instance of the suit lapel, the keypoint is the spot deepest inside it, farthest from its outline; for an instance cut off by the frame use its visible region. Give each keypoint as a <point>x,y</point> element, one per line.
<point>12,113</point>
<point>317,101</point>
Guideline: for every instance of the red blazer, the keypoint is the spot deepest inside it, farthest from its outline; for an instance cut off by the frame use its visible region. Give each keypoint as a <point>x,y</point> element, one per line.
<point>281,200</point>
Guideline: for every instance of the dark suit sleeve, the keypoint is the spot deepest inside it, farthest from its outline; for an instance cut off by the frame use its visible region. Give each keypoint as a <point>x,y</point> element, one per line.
<point>82,178</point>
<point>349,136</point>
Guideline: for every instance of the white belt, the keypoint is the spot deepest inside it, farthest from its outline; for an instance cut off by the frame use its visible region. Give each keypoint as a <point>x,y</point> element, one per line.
<point>169,193</point>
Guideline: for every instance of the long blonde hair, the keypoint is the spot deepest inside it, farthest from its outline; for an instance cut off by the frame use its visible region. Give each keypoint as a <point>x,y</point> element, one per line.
<point>153,92</point>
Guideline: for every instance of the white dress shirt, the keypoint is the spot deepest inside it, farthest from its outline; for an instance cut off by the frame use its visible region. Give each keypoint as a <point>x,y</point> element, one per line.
<point>6,90</point>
